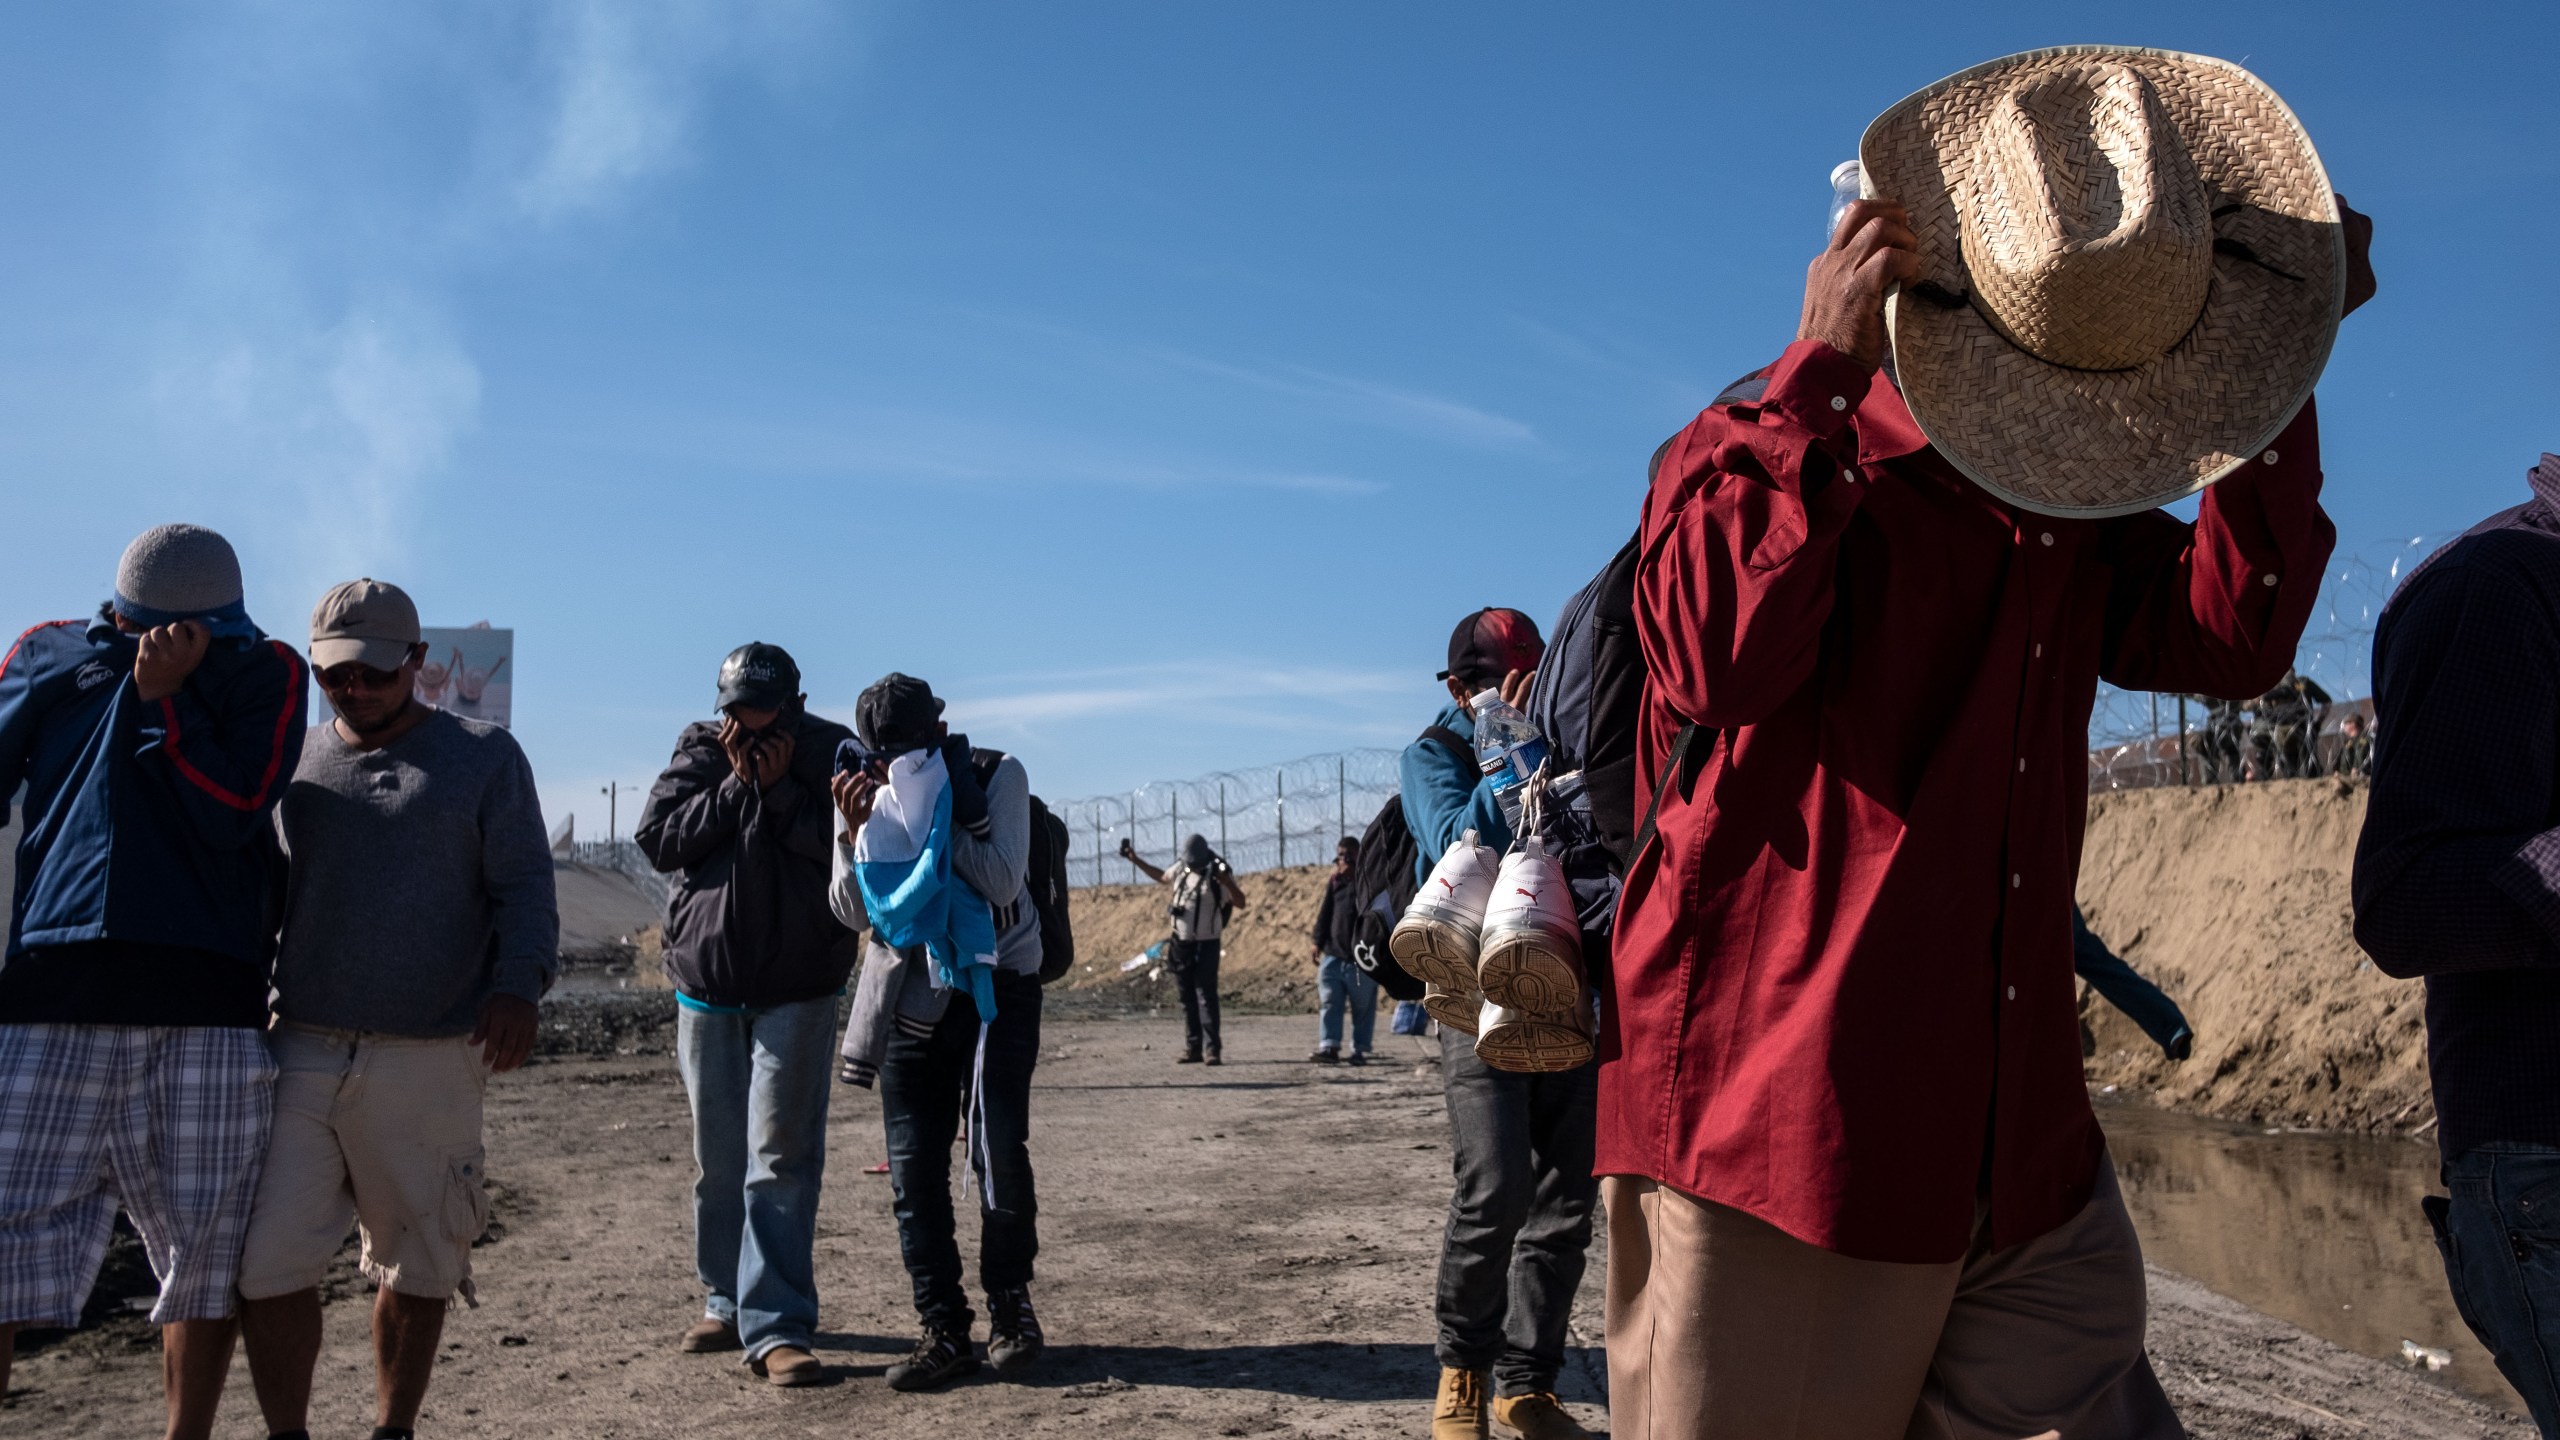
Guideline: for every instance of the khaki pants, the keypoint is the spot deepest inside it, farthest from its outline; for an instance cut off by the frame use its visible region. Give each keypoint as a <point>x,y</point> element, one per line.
<point>376,1130</point>
<point>1723,1327</point>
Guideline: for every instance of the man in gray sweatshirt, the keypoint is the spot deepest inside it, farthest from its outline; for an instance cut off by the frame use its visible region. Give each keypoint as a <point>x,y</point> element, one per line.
<point>420,930</point>
<point>924,1047</point>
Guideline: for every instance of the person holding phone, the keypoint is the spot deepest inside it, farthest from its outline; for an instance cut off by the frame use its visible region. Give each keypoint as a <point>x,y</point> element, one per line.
<point>1205,897</point>
<point>742,819</point>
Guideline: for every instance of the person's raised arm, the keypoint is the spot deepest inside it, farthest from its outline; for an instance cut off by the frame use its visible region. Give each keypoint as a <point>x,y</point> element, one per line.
<point>2457,868</point>
<point>229,741</point>
<point>1129,852</point>
<point>1742,525</point>
<point>992,848</point>
<point>694,809</point>
<point>1227,881</point>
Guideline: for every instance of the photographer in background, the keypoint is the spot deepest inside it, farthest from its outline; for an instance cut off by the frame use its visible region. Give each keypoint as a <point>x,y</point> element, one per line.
<point>742,816</point>
<point>1205,894</point>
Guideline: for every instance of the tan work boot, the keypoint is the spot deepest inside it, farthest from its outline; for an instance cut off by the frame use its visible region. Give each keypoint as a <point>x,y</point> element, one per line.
<point>709,1335</point>
<point>790,1365</point>
<point>1537,1416</point>
<point>1459,1412</point>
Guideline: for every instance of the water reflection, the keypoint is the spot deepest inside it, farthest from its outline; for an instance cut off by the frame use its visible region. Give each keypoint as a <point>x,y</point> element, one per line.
<point>2319,1229</point>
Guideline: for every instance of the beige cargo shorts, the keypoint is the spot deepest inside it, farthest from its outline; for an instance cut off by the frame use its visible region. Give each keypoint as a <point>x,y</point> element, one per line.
<point>382,1131</point>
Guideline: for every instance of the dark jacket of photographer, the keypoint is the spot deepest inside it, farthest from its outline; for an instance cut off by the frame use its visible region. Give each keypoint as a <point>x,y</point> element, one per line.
<point>748,923</point>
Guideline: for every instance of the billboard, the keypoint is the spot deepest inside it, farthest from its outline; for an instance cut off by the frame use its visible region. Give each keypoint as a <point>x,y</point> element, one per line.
<point>469,671</point>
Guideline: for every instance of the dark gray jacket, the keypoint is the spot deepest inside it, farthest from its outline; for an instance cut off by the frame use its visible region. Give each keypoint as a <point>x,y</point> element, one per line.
<point>749,923</point>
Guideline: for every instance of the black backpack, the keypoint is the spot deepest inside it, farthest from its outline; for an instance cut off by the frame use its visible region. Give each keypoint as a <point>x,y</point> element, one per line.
<point>1383,884</point>
<point>1044,877</point>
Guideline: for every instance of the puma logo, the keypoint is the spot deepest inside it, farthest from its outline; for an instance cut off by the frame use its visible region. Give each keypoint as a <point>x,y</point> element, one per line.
<point>92,675</point>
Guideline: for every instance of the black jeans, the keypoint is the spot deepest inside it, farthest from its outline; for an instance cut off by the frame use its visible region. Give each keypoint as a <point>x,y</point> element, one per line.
<point>924,1087</point>
<point>1195,975</point>
<point>1519,1219</point>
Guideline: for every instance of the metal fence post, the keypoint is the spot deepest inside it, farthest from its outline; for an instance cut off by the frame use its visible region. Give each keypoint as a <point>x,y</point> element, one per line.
<point>1133,835</point>
<point>1341,798</point>
<point>1280,812</point>
<point>1222,817</point>
<point>2183,770</point>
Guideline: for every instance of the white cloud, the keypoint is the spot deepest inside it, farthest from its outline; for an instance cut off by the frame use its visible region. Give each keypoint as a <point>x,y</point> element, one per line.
<point>1270,696</point>
<point>338,166</point>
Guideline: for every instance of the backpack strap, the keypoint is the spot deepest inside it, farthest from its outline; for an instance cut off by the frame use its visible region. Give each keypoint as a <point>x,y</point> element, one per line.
<point>1675,763</point>
<point>1449,741</point>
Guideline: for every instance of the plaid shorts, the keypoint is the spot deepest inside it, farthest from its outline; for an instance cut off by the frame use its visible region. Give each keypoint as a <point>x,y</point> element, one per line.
<point>169,1121</point>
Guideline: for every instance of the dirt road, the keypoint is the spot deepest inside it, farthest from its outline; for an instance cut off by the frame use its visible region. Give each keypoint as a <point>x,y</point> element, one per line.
<point>1241,1251</point>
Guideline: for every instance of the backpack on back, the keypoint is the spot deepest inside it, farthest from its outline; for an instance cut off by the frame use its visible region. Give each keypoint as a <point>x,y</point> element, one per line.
<point>1044,875</point>
<point>1383,883</point>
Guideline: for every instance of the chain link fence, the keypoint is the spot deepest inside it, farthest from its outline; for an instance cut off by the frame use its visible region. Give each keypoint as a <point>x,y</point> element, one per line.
<point>1260,819</point>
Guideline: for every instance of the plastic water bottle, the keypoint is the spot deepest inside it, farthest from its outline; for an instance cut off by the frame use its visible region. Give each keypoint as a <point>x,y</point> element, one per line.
<point>1508,750</point>
<point>1846,178</point>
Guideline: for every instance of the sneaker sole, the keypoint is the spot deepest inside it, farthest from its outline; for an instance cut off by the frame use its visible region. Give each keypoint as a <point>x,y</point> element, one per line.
<point>1016,1361</point>
<point>1436,951</point>
<point>1530,970</point>
<point>1456,1012</point>
<point>1535,1047</point>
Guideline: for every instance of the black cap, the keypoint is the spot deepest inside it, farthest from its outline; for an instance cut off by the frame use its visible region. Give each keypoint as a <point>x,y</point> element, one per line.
<point>760,675</point>
<point>897,714</point>
<point>1490,644</point>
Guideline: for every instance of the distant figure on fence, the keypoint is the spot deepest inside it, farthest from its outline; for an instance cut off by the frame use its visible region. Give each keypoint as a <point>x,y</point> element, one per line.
<point>1205,896</point>
<point>2218,746</point>
<point>1341,984</point>
<point>2120,985</point>
<point>2355,746</point>
<point>2287,723</point>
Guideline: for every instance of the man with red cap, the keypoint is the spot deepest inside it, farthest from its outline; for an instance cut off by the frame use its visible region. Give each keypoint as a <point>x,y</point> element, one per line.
<point>1520,1144</point>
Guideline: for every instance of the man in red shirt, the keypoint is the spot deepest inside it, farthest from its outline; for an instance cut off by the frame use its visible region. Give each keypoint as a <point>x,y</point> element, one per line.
<point>1854,1184</point>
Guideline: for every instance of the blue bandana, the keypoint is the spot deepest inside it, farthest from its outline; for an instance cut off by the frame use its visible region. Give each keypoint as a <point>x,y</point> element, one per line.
<point>228,622</point>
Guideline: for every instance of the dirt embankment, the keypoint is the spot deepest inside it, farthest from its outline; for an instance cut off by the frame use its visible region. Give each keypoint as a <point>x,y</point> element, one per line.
<point>2235,901</point>
<point>1264,959</point>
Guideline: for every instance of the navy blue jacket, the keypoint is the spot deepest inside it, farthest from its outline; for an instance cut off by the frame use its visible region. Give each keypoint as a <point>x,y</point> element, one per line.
<point>146,823</point>
<point>2457,874</point>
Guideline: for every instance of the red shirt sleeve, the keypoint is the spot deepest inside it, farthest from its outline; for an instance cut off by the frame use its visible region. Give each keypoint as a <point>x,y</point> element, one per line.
<point>1741,532</point>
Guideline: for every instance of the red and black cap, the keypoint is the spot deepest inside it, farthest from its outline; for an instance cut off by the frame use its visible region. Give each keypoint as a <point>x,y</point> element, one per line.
<point>1491,643</point>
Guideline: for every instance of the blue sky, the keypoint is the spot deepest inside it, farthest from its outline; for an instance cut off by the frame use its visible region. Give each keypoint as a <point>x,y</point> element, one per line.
<point>1160,381</point>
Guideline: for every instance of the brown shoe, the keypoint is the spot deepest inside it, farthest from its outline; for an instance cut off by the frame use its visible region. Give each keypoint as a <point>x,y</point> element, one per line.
<point>788,1365</point>
<point>1459,1412</point>
<point>709,1335</point>
<point>1538,1416</point>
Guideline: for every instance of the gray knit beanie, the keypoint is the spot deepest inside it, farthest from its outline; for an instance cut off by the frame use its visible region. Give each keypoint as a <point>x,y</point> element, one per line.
<point>178,570</point>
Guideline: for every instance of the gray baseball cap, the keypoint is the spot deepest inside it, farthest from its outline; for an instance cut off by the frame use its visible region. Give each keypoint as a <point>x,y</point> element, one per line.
<point>369,621</point>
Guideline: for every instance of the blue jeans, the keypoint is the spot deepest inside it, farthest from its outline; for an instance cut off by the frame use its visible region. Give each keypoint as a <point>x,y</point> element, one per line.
<point>758,1083</point>
<point>924,1093</point>
<point>1339,983</point>
<point>2500,1235</point>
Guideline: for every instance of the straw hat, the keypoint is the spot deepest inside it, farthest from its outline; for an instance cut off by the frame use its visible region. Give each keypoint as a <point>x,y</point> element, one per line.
<point>2131,272</point>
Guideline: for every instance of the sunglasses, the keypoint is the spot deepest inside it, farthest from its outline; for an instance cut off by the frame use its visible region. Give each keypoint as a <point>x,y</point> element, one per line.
<point>356,675</point>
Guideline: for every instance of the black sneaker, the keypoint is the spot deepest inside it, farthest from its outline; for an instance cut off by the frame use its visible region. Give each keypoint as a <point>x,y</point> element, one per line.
<point>1325,1057</point>
<point>1188,1057</point>
<point>1013,1330</point>
<point>938,1359</point>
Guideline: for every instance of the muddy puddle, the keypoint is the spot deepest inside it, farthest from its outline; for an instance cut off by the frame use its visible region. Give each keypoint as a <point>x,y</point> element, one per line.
<point>2319,1229</point>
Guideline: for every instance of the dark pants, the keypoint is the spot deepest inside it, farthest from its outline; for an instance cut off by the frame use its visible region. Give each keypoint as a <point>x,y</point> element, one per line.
<point>2500,1235</point>
<point>924,1092</point>
<point>2122,986</point>
<point>1519,1219</point>
<point>1195,974</point>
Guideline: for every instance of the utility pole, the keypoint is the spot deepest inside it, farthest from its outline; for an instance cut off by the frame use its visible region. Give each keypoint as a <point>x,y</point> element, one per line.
<point>612,794</point>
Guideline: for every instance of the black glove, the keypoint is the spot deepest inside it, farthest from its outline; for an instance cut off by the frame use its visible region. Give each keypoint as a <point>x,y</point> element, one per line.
<point>968,797</point>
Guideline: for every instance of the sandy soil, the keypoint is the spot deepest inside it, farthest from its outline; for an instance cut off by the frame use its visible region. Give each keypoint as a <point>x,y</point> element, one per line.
<point>2235,901</point>
<point>1264,959</point>
<point>1245,1251</point>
